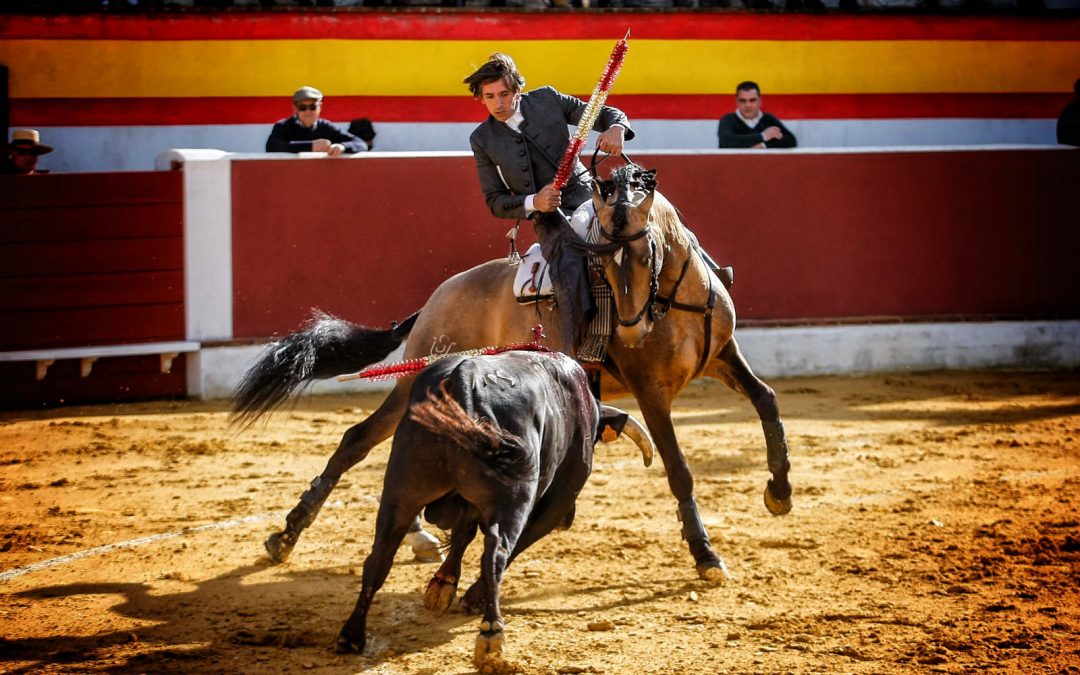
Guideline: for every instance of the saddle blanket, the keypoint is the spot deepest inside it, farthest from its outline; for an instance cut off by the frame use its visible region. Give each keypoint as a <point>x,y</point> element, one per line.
<point>532,282</point>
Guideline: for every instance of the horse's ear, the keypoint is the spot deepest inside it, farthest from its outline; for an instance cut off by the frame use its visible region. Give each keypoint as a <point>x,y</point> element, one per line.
<point>646,204</point>
<point>598,199</point>
<point>648,180</point>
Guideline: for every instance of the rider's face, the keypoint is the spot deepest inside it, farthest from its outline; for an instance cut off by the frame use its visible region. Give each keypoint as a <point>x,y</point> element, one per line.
<point>499,100</point>
<point>749,102</point>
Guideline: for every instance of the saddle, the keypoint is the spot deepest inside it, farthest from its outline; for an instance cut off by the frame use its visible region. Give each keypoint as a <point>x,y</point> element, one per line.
<point>531,281</point>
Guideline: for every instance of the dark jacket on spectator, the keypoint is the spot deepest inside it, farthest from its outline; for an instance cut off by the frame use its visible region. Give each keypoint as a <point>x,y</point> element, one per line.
<point>1068,125</point>
<point>734,133</point>
<point>289,135</point>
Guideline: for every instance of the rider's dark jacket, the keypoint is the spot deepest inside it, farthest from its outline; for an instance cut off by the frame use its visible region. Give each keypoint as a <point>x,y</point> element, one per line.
<point>512,165</point>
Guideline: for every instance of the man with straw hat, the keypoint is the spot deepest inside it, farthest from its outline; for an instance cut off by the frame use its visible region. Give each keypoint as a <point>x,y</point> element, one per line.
<point>23,152</point>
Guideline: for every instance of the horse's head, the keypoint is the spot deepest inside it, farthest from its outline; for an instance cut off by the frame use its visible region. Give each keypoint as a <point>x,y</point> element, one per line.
<point>623,205</point>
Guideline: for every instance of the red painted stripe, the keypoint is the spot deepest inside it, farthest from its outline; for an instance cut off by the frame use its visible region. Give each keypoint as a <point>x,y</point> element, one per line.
<point>433,24</point>
<point>65,112</point>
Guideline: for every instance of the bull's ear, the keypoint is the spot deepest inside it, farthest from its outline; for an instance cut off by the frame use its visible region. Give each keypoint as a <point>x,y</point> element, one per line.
<point>612,423</point>
<point>615,423</point>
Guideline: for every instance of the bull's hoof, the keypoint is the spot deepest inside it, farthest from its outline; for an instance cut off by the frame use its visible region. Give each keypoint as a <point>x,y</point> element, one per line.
<point>440,594</point>
<point>714,572</point>
<point>487,644</point>
<point>424,546</point>
<point>777,507</point>
<point>347,644</point>
<point>278,547</point>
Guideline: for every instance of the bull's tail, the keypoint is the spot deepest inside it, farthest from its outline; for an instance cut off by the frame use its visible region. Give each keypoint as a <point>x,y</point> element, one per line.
<point>327,347</point>
<point>504,454</point>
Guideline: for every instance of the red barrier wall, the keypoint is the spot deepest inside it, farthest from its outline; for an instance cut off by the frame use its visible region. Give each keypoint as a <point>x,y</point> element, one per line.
<point>813,237</point>
<point>89,259</point>
<point>367,239</point>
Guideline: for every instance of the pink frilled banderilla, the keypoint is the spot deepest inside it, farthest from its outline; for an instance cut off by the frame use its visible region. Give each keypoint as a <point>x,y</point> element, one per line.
<point>592,111</point>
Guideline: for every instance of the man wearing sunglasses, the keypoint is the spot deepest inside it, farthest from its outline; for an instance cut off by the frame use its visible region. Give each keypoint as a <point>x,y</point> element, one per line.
<point>305,132</point>
<point>23,152</point>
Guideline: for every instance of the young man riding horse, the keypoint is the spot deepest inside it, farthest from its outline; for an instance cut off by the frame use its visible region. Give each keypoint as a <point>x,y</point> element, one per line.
<point>517,151</point>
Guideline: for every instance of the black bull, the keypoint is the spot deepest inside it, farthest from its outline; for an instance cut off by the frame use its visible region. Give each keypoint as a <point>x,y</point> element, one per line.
<point>502,443</point>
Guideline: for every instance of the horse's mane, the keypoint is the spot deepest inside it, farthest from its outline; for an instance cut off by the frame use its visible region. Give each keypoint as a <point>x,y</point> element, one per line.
<point>668,219</point>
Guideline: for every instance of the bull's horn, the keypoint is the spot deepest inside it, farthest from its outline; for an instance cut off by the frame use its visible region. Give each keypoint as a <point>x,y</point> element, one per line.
<point>640,435</point>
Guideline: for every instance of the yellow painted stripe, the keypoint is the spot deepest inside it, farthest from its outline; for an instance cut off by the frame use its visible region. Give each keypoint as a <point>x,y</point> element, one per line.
<point>108,68</point>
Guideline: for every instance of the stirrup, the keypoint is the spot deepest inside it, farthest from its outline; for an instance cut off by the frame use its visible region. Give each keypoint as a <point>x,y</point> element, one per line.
<point>593,348</point>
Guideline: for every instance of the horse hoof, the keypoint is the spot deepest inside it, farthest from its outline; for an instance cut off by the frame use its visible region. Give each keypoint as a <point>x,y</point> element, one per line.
<point>777,507</point>
<point>716,573</point>
<point>277,547</point>
<point>425,547</point>
<point>440,594</point>
<point>487,644</point>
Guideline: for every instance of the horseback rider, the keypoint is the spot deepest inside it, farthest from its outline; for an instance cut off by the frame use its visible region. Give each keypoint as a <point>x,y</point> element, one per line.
<point>517,151</point>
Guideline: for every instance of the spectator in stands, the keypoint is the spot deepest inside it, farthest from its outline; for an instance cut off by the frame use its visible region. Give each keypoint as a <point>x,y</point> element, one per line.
<point>1068,124</point>
<point>363,129</point>
<point>517,149</point>
<point>305,132</point>
<point>22,153</point>
<point>749,127</point>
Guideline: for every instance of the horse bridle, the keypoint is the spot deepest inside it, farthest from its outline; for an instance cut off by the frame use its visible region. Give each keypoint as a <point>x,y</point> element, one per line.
<point>657,305</point>
<point>617,242</point>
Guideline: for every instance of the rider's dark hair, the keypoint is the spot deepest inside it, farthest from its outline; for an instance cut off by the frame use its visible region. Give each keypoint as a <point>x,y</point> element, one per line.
<point>747,86</point>
<point>499,66</point>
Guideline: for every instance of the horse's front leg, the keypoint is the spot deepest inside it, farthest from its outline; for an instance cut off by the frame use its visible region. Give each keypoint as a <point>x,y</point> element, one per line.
<point>354,447</point>
<point>657,414</point>
<point>736,372</point>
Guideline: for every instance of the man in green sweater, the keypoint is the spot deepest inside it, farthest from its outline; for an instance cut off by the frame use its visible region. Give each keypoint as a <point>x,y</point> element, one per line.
<point>749,127</point>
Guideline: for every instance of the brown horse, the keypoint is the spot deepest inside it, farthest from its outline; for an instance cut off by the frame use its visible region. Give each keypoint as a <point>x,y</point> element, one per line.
<point>675,321</point>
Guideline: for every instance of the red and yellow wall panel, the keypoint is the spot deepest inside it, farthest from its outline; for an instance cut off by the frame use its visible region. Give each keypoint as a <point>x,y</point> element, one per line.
<point>408,66</point>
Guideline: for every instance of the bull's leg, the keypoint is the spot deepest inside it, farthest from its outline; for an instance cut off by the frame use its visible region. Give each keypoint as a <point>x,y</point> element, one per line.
<point>442,587</point>
<point>496,556</point>
<point>554,510</point>
<point>355,445</point>
<point>390,527</point>
<point>656,409</point>
<point>736,372</point>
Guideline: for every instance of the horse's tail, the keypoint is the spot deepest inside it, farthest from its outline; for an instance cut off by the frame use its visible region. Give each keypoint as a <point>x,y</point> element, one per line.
<point>503,455</point>
<point>327,347</point>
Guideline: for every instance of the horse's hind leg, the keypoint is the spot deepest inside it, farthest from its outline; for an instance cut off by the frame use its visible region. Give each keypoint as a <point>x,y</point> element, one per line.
<point>736,372</point>
<point>354,447</point>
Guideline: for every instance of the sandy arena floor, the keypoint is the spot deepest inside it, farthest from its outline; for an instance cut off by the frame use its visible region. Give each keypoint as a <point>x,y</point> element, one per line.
<point>935,529</point>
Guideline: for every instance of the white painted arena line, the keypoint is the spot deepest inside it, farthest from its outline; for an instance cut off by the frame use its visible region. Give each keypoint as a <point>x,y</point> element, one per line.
<point>132,543</point>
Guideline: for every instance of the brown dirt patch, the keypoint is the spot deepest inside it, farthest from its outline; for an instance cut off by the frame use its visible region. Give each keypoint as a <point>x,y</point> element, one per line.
<point>935,529</point>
